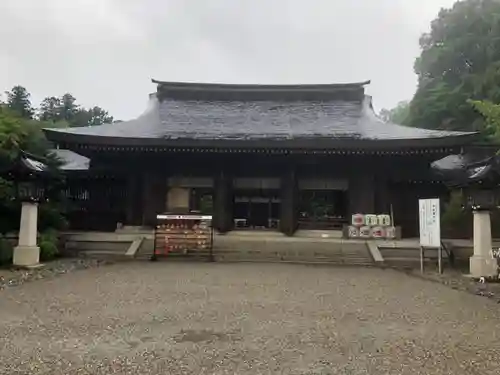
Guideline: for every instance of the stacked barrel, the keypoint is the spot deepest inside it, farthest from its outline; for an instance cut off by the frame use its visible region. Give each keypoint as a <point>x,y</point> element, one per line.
<point>366,226</point>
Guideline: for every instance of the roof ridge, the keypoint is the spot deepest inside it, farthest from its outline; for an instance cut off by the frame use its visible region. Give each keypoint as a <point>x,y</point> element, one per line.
<point>259,87</point>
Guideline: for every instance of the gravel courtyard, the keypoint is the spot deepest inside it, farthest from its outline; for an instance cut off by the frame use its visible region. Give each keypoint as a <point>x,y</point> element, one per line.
<point>161,318</point>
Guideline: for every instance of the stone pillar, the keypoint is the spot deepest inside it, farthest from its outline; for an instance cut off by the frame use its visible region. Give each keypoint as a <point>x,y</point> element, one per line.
<point>482,263</point>
<point>27,253</point>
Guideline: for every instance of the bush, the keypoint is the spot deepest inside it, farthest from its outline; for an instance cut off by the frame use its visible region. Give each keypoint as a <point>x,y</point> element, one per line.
<point>456,222</point>
<point>6,251</point>
<point>48,245</point>
<point>50,217</point>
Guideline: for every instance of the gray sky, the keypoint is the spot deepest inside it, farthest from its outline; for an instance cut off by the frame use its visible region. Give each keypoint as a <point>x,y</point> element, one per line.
<point>106,51</point>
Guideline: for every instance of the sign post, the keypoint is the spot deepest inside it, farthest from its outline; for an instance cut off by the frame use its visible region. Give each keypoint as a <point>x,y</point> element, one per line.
<point>430,230</point>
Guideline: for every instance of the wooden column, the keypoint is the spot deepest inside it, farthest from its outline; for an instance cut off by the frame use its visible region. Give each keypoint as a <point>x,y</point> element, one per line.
<point>289,202</point>
<point>223,214</point>
<point>362,193</point>
<point>153,197</point>
<point>134,199</point>
<point>383,199</point>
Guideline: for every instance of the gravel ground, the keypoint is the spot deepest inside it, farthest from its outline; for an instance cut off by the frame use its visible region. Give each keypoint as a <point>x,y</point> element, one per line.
<point>457,279</point>
<point>10,277</point>
<point>164,318</point>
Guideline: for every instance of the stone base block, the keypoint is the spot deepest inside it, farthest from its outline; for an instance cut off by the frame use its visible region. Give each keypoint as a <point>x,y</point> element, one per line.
<point>26,256</point>
<point>483,266</point>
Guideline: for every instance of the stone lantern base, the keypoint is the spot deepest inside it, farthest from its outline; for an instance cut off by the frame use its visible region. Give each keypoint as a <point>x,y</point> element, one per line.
<point>482,263</point>
<point>26,256</point>
<point>27,253</point>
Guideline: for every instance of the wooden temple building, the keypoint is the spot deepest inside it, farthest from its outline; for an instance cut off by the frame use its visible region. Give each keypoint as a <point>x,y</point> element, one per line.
<point>275,157</point>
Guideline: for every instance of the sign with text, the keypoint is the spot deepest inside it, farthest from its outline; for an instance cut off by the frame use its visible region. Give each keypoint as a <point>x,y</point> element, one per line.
<point>430,225</point>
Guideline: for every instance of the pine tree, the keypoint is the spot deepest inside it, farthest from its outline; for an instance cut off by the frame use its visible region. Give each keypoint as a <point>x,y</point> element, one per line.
<point>18,100</point>
<point>50,109</point>
<point>68,109</point>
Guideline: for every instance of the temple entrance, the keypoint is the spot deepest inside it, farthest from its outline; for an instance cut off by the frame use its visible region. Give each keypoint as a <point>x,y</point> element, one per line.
<point>323,204</point>
<point>190,194</point>
<point>256,209</point>
<point>256,204</point>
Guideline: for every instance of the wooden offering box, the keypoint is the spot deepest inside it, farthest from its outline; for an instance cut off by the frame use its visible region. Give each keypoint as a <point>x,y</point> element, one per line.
<point>183,235</point>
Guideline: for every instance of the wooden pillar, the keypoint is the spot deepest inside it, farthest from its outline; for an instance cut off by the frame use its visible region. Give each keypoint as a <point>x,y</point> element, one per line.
<point>153,197</point>
<point>134,199</point>
<point>383,199</point>
<point>223,198</point>
<point>289,202</point>
<point>362,193</point>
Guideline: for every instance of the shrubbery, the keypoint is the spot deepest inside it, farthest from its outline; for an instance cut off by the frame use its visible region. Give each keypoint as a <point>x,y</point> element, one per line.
<point>48,244</point>
<point>6,251</point>
<point>455,220</point>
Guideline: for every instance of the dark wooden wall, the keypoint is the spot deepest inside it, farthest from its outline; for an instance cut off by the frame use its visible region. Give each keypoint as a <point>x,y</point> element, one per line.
<point>137,188</point>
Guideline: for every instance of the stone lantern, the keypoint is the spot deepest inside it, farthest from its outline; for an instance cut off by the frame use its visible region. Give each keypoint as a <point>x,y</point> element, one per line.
<point>479,178</point>
<point>482,201</point>
<point>28,176</point>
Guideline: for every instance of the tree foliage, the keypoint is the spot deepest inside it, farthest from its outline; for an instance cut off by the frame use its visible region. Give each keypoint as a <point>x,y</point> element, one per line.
<point>491,115</point>
<point>68,108</point>
<point>65,110</point>
<point>21,130</point>
<point>18,100</point>
<point>93,116</point>
<point>50,109</point>
<point>460,60</point>
<point>397,115</point>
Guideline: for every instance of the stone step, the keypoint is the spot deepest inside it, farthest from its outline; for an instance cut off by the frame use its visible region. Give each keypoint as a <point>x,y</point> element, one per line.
<point>97,246</point>
<point>111,255</point>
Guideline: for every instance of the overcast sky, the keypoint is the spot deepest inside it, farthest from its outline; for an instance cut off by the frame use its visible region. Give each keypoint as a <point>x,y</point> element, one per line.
<point>106,51</point>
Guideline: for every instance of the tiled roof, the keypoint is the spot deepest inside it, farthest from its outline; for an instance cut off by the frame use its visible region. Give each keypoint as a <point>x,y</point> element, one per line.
<point>194,118</point>
<point>71,161</point>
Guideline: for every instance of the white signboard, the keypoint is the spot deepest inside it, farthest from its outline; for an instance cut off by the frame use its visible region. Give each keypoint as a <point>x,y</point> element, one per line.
<point>430,226</point>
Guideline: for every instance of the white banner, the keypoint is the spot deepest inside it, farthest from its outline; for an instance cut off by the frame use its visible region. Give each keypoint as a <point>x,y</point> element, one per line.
<point>430,225</point>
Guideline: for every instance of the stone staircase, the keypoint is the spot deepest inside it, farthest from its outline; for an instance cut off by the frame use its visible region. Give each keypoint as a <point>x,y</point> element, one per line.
<point>275,247</point>
<point>310,247</point>
<point>100,245</point>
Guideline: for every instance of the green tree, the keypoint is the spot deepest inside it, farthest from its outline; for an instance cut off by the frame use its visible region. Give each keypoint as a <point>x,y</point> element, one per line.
<point>91,117</point>
<point>16,134</point>
<point>18,100</point>
<point>459,61</point>
<point>11,135</point>
<point>491,115</point>
<point>397,115</point>
<point>68,108</point>
<point>50,109</point>
<point>99,116</point>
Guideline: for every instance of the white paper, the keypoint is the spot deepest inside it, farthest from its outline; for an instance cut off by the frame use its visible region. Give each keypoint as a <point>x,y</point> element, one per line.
<point>430,225</point>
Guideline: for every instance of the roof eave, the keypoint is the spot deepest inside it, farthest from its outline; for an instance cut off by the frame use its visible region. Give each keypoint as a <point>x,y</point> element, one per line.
<point>67,139</point>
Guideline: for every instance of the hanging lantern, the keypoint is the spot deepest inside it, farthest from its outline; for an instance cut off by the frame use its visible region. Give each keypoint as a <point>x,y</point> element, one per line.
<point>29,180</point>
<point>30,191</point>
<point>482,199</point>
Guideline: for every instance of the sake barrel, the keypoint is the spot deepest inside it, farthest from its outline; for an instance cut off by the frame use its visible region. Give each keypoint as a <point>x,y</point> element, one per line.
<point>371,220</point>
<point>358,220</point>
<point>365,232</point>
<point>378,232</point>
<point>353,231</point>
<point>384,220</point>
<point>390,232</point>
